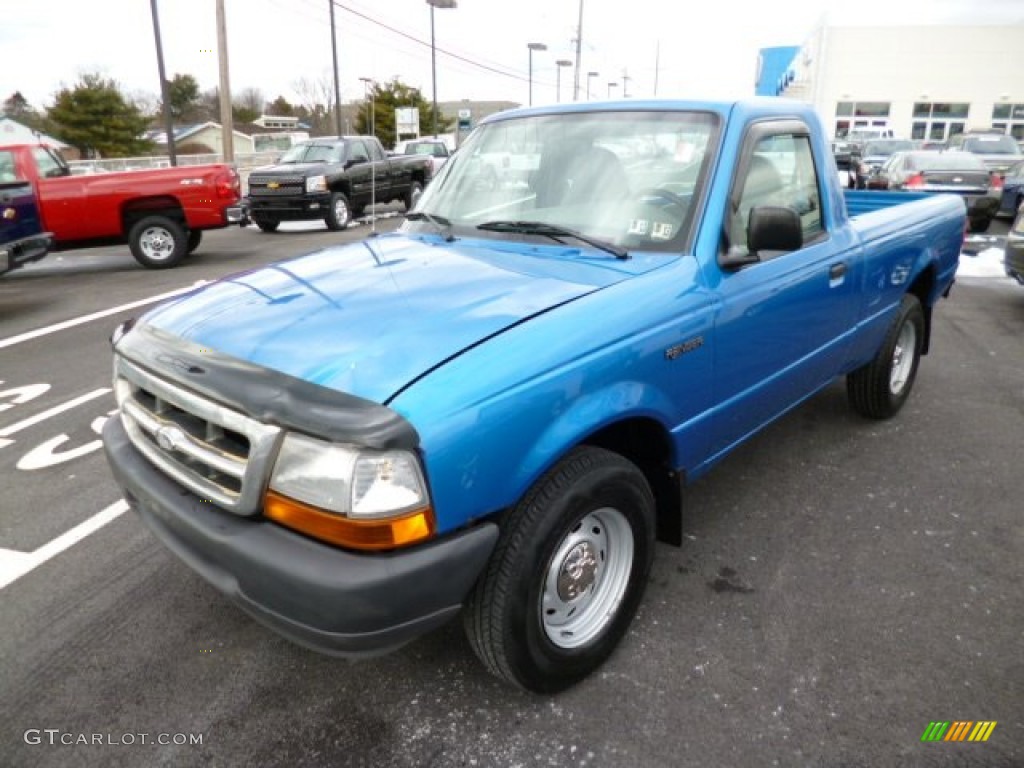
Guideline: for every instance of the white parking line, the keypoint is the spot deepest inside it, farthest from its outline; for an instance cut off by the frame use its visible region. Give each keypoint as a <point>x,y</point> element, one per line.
<point>26,423</point>
<point>14,565</point>
<point>29,335</point>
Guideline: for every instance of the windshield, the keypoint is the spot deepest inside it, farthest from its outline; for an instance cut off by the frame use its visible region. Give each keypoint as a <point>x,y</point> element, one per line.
<point>946,161</point>
<point>426,148</point>
<point>992,145</point>
<point>887,147</point>
<point>313,153</point>
<point>629,179</point>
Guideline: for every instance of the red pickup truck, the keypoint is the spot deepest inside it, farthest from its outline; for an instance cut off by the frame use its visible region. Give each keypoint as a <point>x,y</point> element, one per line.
<point>161,213</point>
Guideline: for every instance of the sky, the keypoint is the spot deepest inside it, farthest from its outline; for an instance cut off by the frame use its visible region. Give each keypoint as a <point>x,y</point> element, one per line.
<point>663,48</point>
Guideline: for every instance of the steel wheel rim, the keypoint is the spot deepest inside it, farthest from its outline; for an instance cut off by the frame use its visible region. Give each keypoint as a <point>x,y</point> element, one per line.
<point>587,578</point>
<point>157,243</point>
<point>903,358</point>
<point>340,212</point>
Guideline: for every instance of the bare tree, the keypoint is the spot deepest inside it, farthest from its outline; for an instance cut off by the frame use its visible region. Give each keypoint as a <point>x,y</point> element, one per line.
<point>251,99</point>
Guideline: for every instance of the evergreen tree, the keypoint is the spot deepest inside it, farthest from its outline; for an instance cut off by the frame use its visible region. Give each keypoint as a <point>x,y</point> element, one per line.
<point>386,98</point>
<point>95,117</point>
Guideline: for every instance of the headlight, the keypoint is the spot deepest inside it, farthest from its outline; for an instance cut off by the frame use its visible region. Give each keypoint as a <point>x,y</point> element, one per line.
<point>316,184</point>
<point>348,495</point>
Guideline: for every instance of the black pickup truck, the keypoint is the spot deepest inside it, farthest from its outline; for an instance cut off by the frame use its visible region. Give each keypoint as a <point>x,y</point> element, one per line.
<point>333,179</point>
<point>21,234</point>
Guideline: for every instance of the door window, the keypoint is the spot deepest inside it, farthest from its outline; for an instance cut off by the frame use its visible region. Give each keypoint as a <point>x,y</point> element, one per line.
<point>781,173</point>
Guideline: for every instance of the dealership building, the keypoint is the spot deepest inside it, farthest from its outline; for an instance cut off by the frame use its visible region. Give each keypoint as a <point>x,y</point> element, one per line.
<point>924,81</point>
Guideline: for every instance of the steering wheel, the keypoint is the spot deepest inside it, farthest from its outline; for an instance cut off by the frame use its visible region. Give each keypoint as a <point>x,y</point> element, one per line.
<point>664,194</point>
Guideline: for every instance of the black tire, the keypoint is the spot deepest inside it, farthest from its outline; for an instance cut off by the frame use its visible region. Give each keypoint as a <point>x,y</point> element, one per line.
<point>195,237</point>
<point>879,389</point>
<point>158,242</point>
<point>339,214</point>
<point>979,224</point>
<point>412,195</point>
<point>590,522</point>
<point>266,225</point>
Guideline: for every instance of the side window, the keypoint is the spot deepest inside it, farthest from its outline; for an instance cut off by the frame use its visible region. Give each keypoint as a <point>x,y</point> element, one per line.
<point>375,152</point>
<point>7,167</point>
<point>780,173</point>
<point>357,152</point>
<point>48,165</point>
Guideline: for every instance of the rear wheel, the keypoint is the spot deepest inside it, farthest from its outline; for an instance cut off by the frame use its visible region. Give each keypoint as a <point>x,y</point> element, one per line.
<point>412,195</point>
<point>158,242</point>
<point>879,389</point>
<point>266,225</point>
<point>339,214</point>
<point>567,574</point>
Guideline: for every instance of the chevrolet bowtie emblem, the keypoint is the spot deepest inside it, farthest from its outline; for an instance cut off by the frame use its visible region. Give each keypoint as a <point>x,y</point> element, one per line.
<point>272,185</point>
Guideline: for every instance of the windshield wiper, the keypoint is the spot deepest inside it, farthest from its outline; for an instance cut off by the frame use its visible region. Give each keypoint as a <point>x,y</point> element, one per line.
<point>555,232</point>
<point>443,225</point>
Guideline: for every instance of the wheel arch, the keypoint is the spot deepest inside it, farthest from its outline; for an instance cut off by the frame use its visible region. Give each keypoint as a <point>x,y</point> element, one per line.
<point>923,287</point>
<point>638,434</point>
<point>139,208</point>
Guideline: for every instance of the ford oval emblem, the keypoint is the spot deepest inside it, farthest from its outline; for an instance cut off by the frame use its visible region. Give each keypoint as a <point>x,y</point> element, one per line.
<point>170,438</point>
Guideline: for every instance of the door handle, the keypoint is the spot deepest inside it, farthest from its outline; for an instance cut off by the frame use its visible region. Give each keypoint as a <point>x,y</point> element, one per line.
<point>837,270</point>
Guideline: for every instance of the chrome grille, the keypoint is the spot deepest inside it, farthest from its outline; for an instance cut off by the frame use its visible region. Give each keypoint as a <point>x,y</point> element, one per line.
<point>259,191</point>
<point>257,179</point>
<point>219,454</point>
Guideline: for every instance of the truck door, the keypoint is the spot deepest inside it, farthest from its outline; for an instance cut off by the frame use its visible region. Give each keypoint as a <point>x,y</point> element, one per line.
<point>360,172</point>
<point>783,319</point>
<point>382,170</point>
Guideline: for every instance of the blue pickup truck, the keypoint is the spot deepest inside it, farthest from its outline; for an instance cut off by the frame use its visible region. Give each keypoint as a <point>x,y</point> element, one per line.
<point>22,239</point>
<point>493,411</point>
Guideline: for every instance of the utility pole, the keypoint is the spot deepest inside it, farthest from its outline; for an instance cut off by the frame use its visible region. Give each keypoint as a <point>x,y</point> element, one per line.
<point>579,45</point>
<point>227,120</point>
<point>165,90</point>
<point>657,66</point>
<point>337,87</point>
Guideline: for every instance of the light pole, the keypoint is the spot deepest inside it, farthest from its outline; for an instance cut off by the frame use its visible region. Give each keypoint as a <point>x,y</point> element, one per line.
<point>558,82</point>
<point>610,86</point>
<point>590,76</point>
<point>534,47</point>
<point>433,49</point>
<point>368,97</point>
<point>579,45</point>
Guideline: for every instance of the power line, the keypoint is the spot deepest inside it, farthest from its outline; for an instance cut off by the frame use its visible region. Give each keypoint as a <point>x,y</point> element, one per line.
<point>487,67</point>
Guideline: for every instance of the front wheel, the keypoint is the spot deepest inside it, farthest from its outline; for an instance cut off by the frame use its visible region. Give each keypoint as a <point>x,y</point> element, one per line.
<point>979,224</point>
<point>266,225</point>
<point>567,574</point>
<point>879,389</point>
<point>158,242</point>
<point>339,214</point>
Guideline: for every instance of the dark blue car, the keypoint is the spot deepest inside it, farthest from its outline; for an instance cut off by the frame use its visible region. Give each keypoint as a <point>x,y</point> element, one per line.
<point>1013,190</point>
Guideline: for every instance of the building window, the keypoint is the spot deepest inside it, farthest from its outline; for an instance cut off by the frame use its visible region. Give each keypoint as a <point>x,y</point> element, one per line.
<point>939,120</point>
<point>1011,119</point>
<point>871,109</point>
<point>844,109</point>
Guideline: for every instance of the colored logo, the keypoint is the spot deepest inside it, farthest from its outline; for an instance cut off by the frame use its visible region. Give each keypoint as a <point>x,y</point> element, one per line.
<point>959,730</point>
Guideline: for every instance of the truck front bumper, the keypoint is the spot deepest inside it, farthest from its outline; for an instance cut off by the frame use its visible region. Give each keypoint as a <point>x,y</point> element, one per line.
<point>304,208</point>
<point>330,600</point>
<point>25,250</point>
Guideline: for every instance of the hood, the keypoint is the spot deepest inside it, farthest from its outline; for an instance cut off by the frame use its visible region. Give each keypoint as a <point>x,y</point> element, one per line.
<point>370,317</point>
<point>295,169</point>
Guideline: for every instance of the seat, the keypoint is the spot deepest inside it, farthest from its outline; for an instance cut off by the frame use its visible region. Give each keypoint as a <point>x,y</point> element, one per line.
<point>763,186</point>
<point>580,176</point>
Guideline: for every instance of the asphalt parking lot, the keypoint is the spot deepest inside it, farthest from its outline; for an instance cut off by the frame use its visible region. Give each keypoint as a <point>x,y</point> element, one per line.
<point>842,583</point>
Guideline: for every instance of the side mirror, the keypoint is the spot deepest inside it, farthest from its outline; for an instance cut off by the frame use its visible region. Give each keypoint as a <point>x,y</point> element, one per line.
<point>774,228</point>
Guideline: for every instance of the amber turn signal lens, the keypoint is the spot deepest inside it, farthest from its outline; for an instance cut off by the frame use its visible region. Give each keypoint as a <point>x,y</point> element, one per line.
<point>383,534</point>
